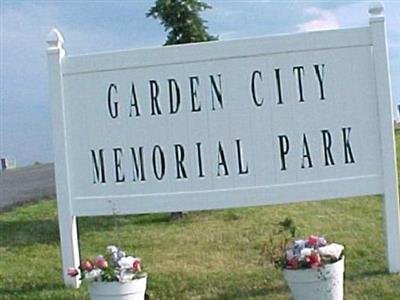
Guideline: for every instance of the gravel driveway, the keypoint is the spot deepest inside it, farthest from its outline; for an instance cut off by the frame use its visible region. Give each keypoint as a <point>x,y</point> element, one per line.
<point>26,184</point>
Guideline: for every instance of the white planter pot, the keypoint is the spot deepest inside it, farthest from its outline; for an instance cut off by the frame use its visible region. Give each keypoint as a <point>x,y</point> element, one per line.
<point>324,283</point>
<point>132,290</point>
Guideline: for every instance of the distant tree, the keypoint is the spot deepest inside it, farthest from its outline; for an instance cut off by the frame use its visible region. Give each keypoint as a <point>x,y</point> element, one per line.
<point>181,18</point>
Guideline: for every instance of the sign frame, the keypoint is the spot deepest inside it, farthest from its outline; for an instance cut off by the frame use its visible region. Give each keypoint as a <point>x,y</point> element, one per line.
<point>386,184</point>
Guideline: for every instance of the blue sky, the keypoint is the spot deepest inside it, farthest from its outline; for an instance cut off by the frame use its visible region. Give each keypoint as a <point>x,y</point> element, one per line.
<point>93,26</point>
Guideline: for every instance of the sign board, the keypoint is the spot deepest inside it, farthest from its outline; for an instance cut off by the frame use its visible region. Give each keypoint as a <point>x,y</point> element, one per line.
<point>224,124</point>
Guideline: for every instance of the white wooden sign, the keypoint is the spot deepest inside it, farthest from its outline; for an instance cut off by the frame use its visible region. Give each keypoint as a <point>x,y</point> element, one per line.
<point>224,124</point>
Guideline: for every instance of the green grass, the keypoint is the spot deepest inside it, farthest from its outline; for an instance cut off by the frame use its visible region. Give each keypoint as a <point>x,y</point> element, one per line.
<point>208,255</point>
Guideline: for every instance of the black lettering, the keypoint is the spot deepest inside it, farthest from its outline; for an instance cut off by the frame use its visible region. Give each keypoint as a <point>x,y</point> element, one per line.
<point>113,111</point>
<point>306,154</point>
<point>98,169</point>
<point>222,161</point>
<point>253,88</point>
<point>217,91</point>
<point>278,85</point>
<point>327,141</point>
<point>299,71</point>
<point>194,83</point>
<point>199,159</point>
<point>348,153</point>
<point>119,175</point>
<point>241,168</point>
<point>320,77</point>
<point>173,85</point>
<point>283,150</point>
<point>138,172</point>
<point>179,158</point>
<point>134,102</point>
<point>159,174</point>
<point>154,92</point>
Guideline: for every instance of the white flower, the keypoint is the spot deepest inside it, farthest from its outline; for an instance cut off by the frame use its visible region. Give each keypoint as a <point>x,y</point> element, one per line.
<point>334,250</point>
<point>125,276</point>
<point>305,252</point>
<point>321,242</point>
<point>300,244</point>
<point>94,275</point>
<point>126,262</point>
<point>116,253</point>
<point>112,249</point>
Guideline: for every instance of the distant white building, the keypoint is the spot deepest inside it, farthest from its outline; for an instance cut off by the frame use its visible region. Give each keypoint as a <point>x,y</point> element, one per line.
<point>7,163</point>
<point>396,113</point>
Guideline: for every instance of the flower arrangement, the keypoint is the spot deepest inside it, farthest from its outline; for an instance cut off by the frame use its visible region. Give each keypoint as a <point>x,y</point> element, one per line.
<point>115,265</point>
<point>313,252</point>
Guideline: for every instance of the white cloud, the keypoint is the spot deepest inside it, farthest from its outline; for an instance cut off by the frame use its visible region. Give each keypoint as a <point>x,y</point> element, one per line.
<point>324,19</point>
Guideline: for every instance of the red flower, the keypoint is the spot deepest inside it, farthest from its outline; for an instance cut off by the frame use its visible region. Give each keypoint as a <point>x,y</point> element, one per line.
<point>136,266</point>
<point>86,265</point>
<point>314,260</point>
<point>101,262</point>
<point>292,263</point>
<point>312,240</point>
<point>72,272</point>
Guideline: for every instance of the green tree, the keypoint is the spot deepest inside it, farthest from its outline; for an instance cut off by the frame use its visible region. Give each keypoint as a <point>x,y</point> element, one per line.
<point>181,18</point>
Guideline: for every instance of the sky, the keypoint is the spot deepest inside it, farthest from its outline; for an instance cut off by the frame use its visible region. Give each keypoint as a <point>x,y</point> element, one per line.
<point>98,26</point>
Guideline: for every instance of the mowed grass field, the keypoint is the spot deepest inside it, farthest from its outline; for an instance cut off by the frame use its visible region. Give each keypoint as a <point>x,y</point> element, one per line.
<point>208,255</point>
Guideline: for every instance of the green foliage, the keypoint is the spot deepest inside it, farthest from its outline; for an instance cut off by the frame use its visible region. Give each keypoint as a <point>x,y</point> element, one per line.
<point>288,226</point>
<point>207,256</point>
<point>181,18</point>
<point>278,240</point>
<point>109,275</point>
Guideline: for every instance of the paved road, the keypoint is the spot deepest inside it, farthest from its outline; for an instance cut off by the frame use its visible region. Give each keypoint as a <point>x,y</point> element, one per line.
<point>26,184</point>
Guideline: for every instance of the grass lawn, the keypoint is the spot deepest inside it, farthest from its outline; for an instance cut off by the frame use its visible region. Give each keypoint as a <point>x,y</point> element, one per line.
<point>208,255</point>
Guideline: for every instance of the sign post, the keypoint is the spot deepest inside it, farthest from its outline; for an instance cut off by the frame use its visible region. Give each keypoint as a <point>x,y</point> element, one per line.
<point>216,125</point>
<point>383,93</point>
<point>66,218</point>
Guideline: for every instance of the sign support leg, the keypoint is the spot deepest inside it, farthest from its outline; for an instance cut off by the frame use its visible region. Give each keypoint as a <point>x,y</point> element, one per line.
<point>388,148</point>
<point>66,218</point>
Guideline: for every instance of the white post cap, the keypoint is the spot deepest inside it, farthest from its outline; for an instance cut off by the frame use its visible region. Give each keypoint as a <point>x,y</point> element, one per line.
<point>376,12</point>
<point>55,41</point>
<point>376,8</point>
